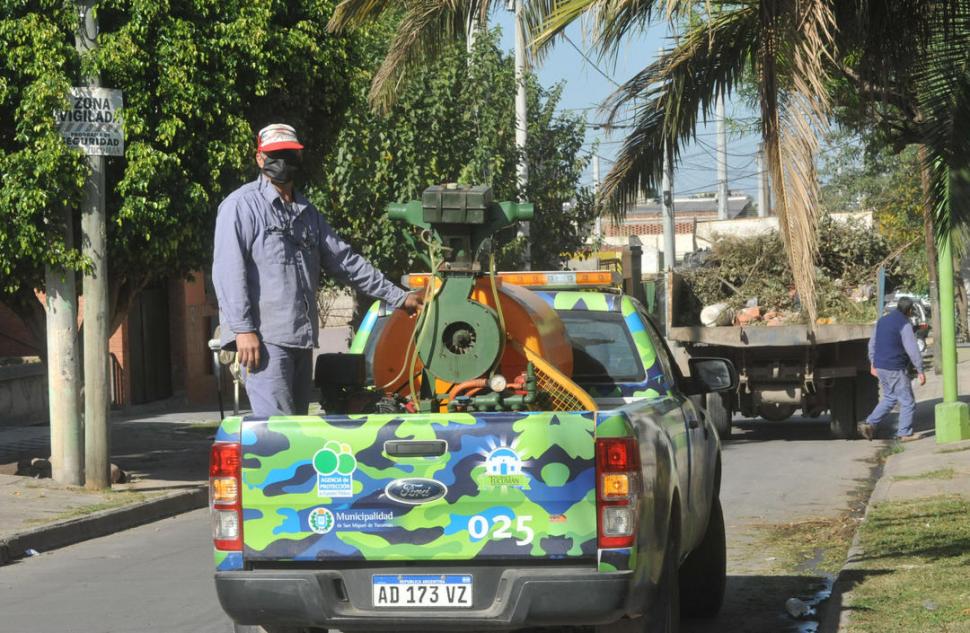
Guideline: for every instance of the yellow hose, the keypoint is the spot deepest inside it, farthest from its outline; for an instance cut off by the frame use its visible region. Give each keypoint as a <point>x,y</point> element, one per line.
<point>498,309</point>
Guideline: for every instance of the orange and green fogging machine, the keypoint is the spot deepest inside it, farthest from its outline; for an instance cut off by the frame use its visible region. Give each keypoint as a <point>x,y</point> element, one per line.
<point>483,341</point>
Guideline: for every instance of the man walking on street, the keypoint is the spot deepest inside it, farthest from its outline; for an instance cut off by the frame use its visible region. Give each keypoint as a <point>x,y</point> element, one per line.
<point>270,246</point>
<point>892,349</point>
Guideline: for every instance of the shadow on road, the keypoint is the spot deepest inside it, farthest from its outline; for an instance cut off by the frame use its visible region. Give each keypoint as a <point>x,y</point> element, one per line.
<point>797,429</point>
<point>756,604</point>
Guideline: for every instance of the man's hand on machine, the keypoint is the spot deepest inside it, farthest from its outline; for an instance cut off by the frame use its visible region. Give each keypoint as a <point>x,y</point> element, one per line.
<point>247,350</point>
<point>413,302</point>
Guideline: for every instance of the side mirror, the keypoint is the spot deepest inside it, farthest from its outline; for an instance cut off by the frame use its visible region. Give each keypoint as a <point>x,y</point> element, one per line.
<point>709,375</point>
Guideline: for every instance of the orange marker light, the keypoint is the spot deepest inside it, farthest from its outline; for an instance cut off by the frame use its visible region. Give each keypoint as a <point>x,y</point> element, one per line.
<point>616,485</point>
<point>552,279</point>
<point>224,490</point>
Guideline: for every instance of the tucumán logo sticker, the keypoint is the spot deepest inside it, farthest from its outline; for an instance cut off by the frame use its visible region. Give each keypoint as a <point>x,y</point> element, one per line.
<point>503,469</point>
<point>335,466</point>
<point>321,520</point>
<point>415,491</point>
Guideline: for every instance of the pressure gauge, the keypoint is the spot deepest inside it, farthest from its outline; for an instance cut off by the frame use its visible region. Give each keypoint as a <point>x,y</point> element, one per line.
<point>498,383</point>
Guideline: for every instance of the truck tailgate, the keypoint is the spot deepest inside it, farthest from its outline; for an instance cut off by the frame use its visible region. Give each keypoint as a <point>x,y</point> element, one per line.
<point>485,486</point>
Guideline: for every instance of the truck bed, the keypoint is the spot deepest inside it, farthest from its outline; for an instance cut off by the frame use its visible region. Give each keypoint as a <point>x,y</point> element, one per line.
<point>765,336</point>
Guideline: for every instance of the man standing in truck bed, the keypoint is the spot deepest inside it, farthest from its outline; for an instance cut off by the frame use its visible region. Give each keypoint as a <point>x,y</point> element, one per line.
<point>270,245</point>
<point>892,349</point>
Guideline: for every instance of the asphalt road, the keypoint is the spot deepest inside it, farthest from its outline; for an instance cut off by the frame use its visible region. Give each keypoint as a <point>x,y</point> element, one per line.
<point>158,577</point>
<point>773,474</point>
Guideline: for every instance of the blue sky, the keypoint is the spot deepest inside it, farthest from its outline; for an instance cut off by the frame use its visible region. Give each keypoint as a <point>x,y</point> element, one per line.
<point>587,86</point>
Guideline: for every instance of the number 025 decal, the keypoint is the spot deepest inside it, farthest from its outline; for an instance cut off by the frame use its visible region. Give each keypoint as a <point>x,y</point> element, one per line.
<point>479,526</point>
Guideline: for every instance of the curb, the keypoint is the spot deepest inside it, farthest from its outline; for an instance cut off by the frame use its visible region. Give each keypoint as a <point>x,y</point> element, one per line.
<point>102,523</point>
<point>835,617</point>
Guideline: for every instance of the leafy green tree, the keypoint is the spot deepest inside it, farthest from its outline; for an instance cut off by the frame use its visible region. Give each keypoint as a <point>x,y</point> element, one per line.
<point>861,176</point>
<point>39,175</point>
<point>199,78</point>
<point>452,122</point>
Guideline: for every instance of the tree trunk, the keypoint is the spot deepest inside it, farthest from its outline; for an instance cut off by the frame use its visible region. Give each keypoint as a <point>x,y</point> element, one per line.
<point>929,237</point>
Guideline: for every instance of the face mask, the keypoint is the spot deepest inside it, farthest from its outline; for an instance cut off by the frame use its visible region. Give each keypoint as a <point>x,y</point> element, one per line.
<point>281,170</point>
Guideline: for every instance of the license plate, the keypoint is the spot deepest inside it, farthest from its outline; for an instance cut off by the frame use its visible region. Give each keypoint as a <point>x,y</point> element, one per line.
<point>422,591</point>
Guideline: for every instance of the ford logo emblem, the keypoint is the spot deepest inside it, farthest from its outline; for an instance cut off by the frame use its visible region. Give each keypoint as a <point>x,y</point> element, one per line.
<point>415,491</point>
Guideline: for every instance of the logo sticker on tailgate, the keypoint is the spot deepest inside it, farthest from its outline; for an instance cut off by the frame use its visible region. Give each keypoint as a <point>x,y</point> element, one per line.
<point>335,466</point>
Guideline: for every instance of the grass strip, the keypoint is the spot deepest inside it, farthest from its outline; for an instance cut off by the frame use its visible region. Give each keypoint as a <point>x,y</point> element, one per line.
<point>110,500</point>
<point>810,546</point>
<point>914,574</point>
<point>942,473</point>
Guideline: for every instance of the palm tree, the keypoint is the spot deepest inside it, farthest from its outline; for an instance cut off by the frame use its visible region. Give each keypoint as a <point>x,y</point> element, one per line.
<point>793,50</point>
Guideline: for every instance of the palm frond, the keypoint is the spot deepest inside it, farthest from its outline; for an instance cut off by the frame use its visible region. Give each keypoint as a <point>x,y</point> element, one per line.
<point>612,19</point>
<point>792,125</point>
<point>942,77</point>
<point>545,20</point>
<point>426,27</point>
<point>670,95</point>
<point>353,13</point>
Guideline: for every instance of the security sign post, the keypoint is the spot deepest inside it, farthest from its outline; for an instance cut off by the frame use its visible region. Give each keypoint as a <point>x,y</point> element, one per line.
<point>93,122</point>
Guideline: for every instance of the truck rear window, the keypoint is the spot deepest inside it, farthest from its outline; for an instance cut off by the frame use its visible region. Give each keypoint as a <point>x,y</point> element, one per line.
<point>603,350</point>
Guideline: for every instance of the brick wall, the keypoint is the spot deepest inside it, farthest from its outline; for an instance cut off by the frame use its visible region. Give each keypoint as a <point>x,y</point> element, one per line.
<point>15,338</point>
<point>194,315</point>
<point>646,228</point>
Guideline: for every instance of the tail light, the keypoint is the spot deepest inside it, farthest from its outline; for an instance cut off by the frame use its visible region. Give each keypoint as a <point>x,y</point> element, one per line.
<point>618,489</point>
<point>225,495</point>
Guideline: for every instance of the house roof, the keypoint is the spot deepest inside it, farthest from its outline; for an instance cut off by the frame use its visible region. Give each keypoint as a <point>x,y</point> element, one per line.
<point>738,205</point>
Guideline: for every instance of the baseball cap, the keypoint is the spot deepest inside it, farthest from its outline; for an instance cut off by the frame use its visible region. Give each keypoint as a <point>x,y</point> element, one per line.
<point>277,136</point>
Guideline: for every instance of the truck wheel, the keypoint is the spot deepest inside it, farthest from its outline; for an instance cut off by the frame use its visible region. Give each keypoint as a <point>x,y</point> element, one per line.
<point>664,617</point>
<point>719,412</point>
<point>842,409</point>
<point>666,612</point>
<point>703,576</point>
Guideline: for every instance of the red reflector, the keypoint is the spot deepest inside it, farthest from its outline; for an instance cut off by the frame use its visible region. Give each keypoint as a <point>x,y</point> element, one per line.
<point>224,460</point>
<point>615,454</point>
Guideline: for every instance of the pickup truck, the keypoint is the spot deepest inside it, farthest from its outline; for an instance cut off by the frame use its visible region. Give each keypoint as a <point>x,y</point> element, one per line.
<point>486,504</point>
<point>493,520</point>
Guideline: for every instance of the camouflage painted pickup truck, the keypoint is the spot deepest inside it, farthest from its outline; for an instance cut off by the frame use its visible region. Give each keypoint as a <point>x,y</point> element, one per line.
<point>554,473</point>
<point>485,520</point>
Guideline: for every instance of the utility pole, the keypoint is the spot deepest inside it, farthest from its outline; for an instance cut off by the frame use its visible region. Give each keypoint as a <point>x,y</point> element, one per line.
<point>63,381</point>
<point>763,210</point>
<point>667,201</point>
<point>521,121</point>
<point>97,468</point>
<point>722,182</point>
<point>471,32</point>
<point>598,226</point>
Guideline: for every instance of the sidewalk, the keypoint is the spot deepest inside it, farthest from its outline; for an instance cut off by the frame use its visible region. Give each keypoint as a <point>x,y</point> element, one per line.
<point>163,451</point>
<point>908,570</point>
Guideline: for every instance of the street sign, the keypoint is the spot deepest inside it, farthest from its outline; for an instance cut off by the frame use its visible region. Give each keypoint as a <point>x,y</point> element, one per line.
<point>93,121</point>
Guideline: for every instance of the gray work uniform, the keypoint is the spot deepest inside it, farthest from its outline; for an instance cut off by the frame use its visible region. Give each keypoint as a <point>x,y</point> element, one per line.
<point>266,272</point>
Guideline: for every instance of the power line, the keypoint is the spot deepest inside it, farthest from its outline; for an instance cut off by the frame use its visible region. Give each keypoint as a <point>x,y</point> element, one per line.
<point>590,61</point>
<point>714,149</point>
<point>713,186</point>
